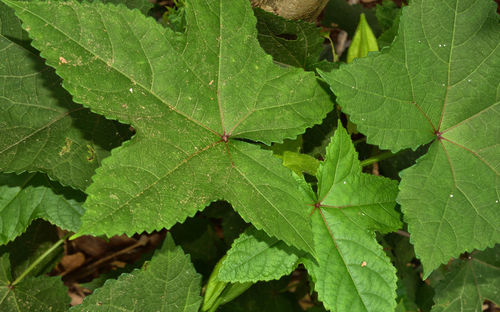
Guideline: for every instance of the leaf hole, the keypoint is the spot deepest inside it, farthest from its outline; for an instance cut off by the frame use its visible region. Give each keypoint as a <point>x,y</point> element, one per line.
<point>289,37</point>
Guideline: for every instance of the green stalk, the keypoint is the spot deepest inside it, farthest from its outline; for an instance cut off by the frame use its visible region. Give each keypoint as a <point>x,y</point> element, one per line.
<point>38,260</point>
<point>377,158</point>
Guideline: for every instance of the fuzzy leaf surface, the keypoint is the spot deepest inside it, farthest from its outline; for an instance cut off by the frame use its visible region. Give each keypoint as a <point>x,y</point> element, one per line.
<point>469,282</point>
<point>255,256</point>
<point>32,294</point>
<point>427,88</point>
<point>190,99</point>
<point>41,128</point>
<point>350,206</point>
<point>170,279</point>
<point>26,197</point>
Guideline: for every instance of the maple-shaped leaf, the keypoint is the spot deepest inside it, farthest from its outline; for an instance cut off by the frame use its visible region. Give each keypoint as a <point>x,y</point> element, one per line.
<point>428,88</point>
<point>191,97</point>
<point>30,196</point>
<point>352,272</point>
<point>255,256</point>
<point>41,129</point>
<point>32,294</point>
<point>469,282</point>
<point>168,282</point>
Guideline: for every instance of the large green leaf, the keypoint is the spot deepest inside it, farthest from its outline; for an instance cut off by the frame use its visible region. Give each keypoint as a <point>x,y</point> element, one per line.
<point>167,283</point>
<point>190,98</point>
<point>41,129</point>
<point>428,88</point>
<point>469,282</point>
<point>254,256</point>
<point>30,196</point>
<point>350,205</point>
<point>32,294</point>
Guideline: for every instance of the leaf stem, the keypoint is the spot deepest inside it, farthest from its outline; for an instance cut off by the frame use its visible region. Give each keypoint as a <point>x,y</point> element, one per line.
<point>377,158</point>
<point>38,260</point>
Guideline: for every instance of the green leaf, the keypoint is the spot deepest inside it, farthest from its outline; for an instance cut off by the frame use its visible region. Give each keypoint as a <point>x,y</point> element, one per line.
<point>388,15</point>
<point>290,42</point>
<point>33,294</point>
<point>364,41</point>
<point>350,261</point>
<point>427,88</point>
<point>469,282</point>
<point>171,282</point>
<point>26,197</point>
<point>300,162</point>
<point>41,129</point>
<point>254,256</point>
<point>190,99</point>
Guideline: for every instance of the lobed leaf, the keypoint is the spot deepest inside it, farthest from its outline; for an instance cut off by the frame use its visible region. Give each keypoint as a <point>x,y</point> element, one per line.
<point>190,99</point>
<point>41,129</point>
<point>469,282</point>
<point>350,206</point>
<point>170,279</point>
<point>427,88</point>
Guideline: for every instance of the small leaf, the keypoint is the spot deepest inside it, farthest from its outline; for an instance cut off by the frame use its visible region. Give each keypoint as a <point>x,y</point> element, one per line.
<point>426,88</point>
<point>350,206</point>
<point>26,197</point>
<point>290,42</point>
<point>469,282</point>
<point>255,256</point>
<point>32,294</point>
<point>300,162</point>
<point>190,116</point>
<point>364,41</point>
<point>168,283</point>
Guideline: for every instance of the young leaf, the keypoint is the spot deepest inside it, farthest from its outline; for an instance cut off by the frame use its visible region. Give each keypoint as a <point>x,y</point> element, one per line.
<point>190,99</point>
<point>295,43</point>
<point>425,88</point>
<point>255,256</point>
<point>171,282</point>
<point>469,282</point>
<point>351,205</point>
<point>364,41</point>
<point>30,196</point>
<point>41,129</point>
<point>32,294</point>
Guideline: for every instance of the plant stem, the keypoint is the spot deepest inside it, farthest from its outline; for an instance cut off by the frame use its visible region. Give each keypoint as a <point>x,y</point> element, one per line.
<point>377,158</point>
<point>39,259</point>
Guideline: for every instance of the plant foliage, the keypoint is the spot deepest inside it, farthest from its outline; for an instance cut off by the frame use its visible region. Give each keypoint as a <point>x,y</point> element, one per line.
<point>208,119</point>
